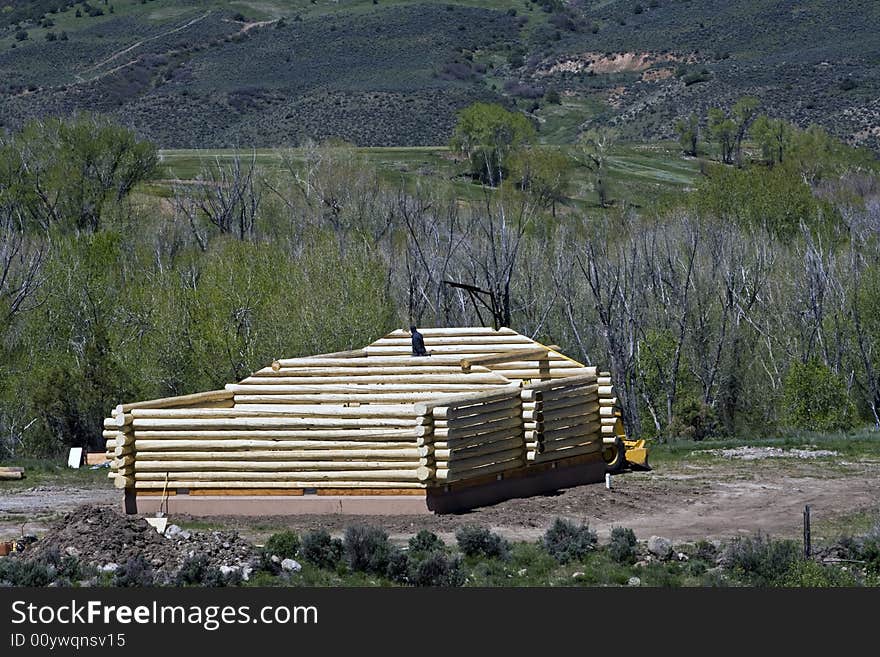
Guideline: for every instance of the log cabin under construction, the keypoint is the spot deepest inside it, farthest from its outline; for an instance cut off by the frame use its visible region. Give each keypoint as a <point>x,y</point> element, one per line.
<point>488,415</point>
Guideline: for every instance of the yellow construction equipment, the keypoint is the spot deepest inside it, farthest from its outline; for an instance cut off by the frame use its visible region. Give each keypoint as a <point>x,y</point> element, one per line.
<point>620,452</point>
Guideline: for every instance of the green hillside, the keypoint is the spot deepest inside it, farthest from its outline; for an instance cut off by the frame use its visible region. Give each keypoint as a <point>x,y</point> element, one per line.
<point>195,74</point>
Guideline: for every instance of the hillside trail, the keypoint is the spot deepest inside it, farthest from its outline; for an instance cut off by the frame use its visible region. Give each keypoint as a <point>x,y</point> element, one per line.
<point>697,498</point>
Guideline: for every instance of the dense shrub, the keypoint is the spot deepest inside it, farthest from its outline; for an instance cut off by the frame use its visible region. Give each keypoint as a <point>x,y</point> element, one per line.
<point>810,574</point>
<point>193,570</point>
<point>136,572</point>
<point>622,546</point>
<point>436,569</point>
<point>815,398</point>
<point>367,549</point>
<point>761,560</point>
<point>283,544</point>
<point>566,542</point>
<point>320,549</point>
<point>480,542</point>
<point>426,541</point>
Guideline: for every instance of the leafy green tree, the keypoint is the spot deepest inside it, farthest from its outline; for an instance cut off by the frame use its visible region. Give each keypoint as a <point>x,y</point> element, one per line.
<point>71,173</point>
<point>723,131</point>
<point>544,173</point>
<point>487,134</point>
<point>594,148</point>
<point>744,112</point>
<point>815,398</point>
<point>773,136</point>
<point>688,134</point>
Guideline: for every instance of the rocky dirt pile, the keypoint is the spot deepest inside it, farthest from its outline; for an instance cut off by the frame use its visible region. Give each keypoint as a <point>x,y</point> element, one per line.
<point>105,538</point>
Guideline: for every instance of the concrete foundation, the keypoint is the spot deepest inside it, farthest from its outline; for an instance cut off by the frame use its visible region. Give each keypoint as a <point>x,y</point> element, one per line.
<point>461,496</point>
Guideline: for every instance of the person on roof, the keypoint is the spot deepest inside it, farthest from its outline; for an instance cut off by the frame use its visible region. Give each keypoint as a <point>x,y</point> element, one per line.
<point>418,343</point>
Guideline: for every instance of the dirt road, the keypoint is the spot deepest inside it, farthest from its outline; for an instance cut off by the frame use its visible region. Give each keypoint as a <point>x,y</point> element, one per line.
<point>707,496</point>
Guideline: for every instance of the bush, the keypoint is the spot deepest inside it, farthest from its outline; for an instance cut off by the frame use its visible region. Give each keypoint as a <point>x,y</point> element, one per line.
<point>761,560</point>
<point>565,541</point>
<point>135,572</point>
<point>397,569</point>
<point>367,549</point>
<point>480,542</point>
<point>283,544</point>
<point>815,398</point>
<point>426,541</point>
<point>436,569</point>
<point>193,571</point>
<point>622,547</point>
<point>810,574</point>
<point>321,550</point>
<point>21,572</point>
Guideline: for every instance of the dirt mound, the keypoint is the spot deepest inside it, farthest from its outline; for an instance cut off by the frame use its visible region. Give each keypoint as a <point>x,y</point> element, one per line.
<point>102,537</point>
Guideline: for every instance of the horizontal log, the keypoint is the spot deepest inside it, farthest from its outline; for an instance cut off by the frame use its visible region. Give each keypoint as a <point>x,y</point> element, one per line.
<point>533,375</point>
<point>358,370</point>
<point>426,389</point>
<point>11,476</point>
<point>123,419</point>
<point>344,398</point>
<point>461,350</point>
<point>182,400</point>
<point>123,462</point>
<point>564,443</point>
<point>458,412</point>
<point>584,376</point>
<point>508,356</point>
<point>552,405</point>
<point>581,391</point>
<point>338,475</point>
<point>382,379</point>
<point>533,436</point>
<point>606,391</point>
<point>587,430</point>
<point>464,423</point>
<point>461,432</point>
<point>468,465</point>
<point>607,401</point>
<point>468,399</point>
<point>286,422</point>
<point>144,445</point>
<point>444,476</point>
<point>462,441</point>
<point>572,413</point>
<point>486,341</point>
<point>123,450</point>
<point>567,453</point>
<point>460,454</point>
<point>292,484</point>
<point>270,410</point>
<point>402,360</point>
<point>355,452</point>
<point>123,482</point>
<point>349,353</point>
<point>249,466</point>
<point>607,411</point>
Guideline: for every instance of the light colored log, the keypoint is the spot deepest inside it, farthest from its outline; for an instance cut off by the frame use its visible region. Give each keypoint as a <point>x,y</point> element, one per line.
<point>123,450</point>
<point>443,474</point>
<point>427,389</point>
<point>607,401</point>
<point>268,376</point>
<point>587,430</point>
<point>607,411</point>
<point>347,466</point>
<point>123,482</point>
<point>603,380</point>
<point>585,377</point>
<point>233,444</point>
<point>546,456</point>
<point>468,399</point>
<point>464,423</point>
<point>402,360</point>
<point>123,419</point>
<point>460,441</point>
<point>553,405</point>
<point>465,456</point>
<point>564,443</point>
<point>183,400</point>
<point>467,465</point>
<point>267,410</point>
<point>531,395</point>
<point>458,412</point>
<point>7,475</point>
<point>280,434</point>
<point>316,476</point>
<point>356,452</point>
<point>533,375</point>
<point>123,461</point>
<point>487,342</point>
<point>606,391</point>
<point>494,359</point>
<point>585,391</point>
<point>533,426</point>
<point>513,423</point>
<point>287,422</point>
<point>443,451</point>
<point>344,398</point>
<point>292,484</point>
<point>382,379</point>
<point>350,353</point>
<point>533,436</point>
<point>570,414</point>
